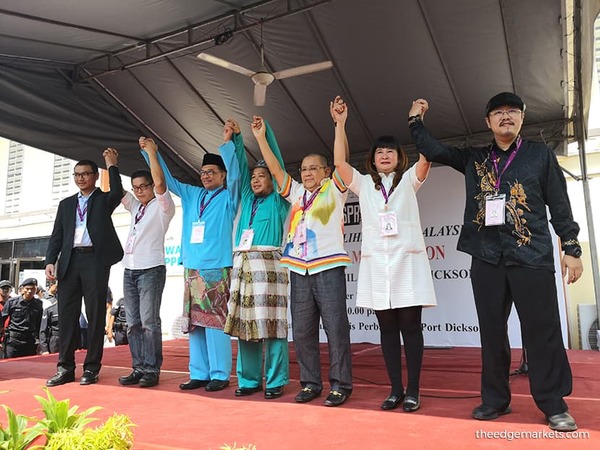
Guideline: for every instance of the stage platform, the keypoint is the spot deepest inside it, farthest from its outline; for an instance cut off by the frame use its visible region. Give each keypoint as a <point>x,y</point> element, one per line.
<point>168,418</point>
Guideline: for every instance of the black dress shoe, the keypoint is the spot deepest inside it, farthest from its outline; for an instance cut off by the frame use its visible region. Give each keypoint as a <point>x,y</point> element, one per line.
<point>193,384</point>
<point>133,378</point>
<point>271,393</point>
<point>242,392</point>
<point>216,385</point>
<point>149,379</point>
<point>411,404</point>
<point>88,377</point>
<point>61,378</point>
<point>562,422</point>
<point>392,402</point>
<point>307,394</point>
<point>486,412</point>
<point>336,398</point>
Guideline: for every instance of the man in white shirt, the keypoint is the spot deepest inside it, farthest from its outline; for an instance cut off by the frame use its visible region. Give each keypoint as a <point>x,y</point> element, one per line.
<point>152,209</point>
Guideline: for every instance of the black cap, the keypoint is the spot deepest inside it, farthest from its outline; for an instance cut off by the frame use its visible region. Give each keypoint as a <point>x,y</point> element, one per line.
<point>211,158</point>
<point>5,283</point>
<point>29,282</point>
<point>504,99</point>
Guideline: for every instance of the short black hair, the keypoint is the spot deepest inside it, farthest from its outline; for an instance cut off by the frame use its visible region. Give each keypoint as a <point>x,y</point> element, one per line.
<point>143,173</point>
<point>88,162</point>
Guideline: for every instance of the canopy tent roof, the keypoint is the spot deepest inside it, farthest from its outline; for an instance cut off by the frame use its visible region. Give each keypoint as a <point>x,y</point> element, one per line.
<point>76,77</point>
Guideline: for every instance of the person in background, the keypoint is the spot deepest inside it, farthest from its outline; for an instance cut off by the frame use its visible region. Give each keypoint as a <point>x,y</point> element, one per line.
<point>49,328</point>
<point>314,253</point>
<point>6,288</point>
<point>24,315</point>
<point>117,326</point>
<point>207,256</point>
<point>85,245</point>
<point>152,208</point>
<point>259,284</point>
<point>510,184</point>
<point>394,277</point>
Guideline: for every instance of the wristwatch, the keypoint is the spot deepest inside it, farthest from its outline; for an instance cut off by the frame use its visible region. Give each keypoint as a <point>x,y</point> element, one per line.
<point>573,250</point>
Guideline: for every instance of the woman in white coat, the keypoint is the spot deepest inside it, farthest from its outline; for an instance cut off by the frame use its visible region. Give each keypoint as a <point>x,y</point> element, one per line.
<point>394,277</point>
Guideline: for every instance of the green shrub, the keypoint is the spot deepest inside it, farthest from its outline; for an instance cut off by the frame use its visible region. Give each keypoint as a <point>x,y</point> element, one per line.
<point>64,429</point>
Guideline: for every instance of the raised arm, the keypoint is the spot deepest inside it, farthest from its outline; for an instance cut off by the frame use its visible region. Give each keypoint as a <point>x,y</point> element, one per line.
<point>341,151</point>
<point>275,167</point>
<point>158,175</point>
<point>231,151</point>
<point>422,169</point>
<point>115,194</point>
<point>175,186</point>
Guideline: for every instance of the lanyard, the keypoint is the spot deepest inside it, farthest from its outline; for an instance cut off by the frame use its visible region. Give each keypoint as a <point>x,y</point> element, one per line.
<point>508,161</point>
<point>307,204</point>
<point>203,206</point>
<point>81,213</point>
<point>386,196</point>
<point>140,213</point>
<point>255,204</point>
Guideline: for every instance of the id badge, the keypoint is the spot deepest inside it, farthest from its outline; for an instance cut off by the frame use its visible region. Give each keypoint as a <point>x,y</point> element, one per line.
<point>246,240</point>
<point>197,236</point>
<point>78,237</point>
<point>130,242</point>
<point>494,209</point>
<point>388,224</point>
<point>300,235</point>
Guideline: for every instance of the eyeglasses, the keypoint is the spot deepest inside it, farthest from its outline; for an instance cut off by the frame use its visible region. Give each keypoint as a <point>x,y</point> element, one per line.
<point>509,112</point>
<point>208,173</point>
<point>311,169</point>
<point>83,174</point>
<point>140,188</point>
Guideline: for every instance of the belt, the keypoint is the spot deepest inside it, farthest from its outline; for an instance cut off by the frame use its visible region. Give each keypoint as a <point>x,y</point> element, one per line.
<point>83,249</point>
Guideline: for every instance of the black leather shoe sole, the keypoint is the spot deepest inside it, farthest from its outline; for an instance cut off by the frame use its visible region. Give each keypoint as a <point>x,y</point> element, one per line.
<point>392,402</point>
<point>131,379</point>
<point>149,380</point>
<point>88,378</point>
<point>272,393</point>
<point>193,384</point>
<point>216,385</point>
<point>61,378</point>
<point>242,392</point>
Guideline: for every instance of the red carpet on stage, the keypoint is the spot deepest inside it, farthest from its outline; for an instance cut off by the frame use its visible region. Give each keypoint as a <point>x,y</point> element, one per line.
<point>168,418</point>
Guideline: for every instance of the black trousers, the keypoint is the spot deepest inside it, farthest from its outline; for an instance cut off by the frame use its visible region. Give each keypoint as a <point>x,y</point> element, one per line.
<point>14,348</point>
<point>533,292</point>
<point>86,277</point>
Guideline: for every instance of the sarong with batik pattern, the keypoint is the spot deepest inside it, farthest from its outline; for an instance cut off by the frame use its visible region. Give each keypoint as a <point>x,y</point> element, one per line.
<point>259,297</point>
<point>205,297</point>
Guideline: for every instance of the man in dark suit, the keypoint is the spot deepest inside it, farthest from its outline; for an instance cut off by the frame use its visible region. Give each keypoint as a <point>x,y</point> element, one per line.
<point>86,245</point>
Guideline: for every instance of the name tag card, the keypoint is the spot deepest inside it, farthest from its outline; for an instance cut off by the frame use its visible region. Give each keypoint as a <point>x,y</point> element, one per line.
<point>388,224</point>
<point>78,237</point>
<point>130,242</point>
<point>300,235</point>
<point>197,236</point>
<point>246,240</point>
<point>494,209</point>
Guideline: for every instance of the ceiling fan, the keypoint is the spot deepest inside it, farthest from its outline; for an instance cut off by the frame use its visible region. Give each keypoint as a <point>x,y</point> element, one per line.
<point>262,78</point>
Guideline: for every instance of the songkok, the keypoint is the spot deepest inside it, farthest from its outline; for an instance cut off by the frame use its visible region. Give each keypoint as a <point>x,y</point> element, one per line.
<point>504,99</point>
<point>211,158</point>
<point>261,164</point>
<point>5,283</point>
<point>29,282</point>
